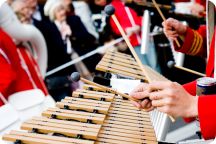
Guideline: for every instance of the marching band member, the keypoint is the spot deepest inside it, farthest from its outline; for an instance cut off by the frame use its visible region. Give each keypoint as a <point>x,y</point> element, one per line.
<point>131,24</point>
<point>177,100</point>
<point>21,85</point>
<point>24,33</point>
<point>22,90</point>
<point>196,7</point>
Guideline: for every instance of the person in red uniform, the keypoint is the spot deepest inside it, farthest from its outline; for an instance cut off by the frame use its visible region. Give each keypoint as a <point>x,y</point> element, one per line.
<point>201,2</point>
<point>19,71</point>
<point>131,24</point>
<point>181,101</point>
<point>129,21</point>
<point>196,8</point>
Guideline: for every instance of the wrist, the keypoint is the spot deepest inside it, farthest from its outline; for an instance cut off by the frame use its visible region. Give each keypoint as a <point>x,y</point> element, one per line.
<point>193,107</point>
<point>183,32</point>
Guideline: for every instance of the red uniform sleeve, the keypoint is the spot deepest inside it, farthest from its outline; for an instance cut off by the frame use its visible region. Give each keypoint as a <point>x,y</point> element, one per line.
<point>190,87</point>
<point>207,116</point>
<point>194,42</point>
<point>206,112</point>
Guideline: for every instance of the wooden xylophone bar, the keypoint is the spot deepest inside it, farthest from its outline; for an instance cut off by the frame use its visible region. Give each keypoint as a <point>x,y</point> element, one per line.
<point>115,62</point>
<point>85,118</point>
<point>124,65</point>
<point>118,63</point>
<point>129,126</point>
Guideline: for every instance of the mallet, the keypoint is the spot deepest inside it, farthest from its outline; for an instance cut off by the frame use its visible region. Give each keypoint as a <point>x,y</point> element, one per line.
<point>171,64</point>
<point>110,10</point>
<point>75,76</point>
<point>163,17</point>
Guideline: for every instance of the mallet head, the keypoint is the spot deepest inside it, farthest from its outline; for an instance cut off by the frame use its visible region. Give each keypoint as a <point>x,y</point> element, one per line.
<point>170,64</point>
<point>109,10</point>
<point>75,76</point>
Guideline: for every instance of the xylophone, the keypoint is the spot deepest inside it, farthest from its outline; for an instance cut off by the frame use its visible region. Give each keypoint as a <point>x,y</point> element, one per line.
<point>89,116</point>
<point>124,66</point>
<point>120,64</point>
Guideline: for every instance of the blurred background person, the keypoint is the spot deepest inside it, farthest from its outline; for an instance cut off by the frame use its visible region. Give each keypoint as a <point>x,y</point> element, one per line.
<point>193,7</point>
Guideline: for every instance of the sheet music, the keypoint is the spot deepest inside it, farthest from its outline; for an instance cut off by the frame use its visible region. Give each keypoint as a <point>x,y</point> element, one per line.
<point>124,85</point>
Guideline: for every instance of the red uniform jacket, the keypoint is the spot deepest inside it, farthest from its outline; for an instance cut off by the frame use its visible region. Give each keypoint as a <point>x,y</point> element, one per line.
<point>124,20</point>
<point>13,77</point>
<point>195,44</point>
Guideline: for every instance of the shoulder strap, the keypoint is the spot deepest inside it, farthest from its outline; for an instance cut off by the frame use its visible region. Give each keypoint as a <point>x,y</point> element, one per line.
<point>3,98</point>
<point>4,55</point>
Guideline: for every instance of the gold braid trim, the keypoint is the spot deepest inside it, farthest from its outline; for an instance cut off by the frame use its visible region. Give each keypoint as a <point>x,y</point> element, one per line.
<point>199,44</point>
<point>193,51</point>
<point>190,51</point>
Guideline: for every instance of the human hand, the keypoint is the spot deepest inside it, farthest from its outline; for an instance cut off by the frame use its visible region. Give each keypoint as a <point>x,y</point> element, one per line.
<point>141,93</point>
<point>132,30</point>
<point>197,9</point>
<point>173,28</point>
<point>65,29</point>
<point>173,99</point>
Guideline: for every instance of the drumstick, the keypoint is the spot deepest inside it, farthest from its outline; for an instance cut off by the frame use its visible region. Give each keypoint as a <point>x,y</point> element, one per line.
<point>110,10</point>
<point>75,76</point>
<point>171,64</point>
<point>163,17</point>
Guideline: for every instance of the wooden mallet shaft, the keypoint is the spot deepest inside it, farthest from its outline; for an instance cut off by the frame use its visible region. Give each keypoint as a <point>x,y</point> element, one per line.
<point>76,77</point>
<point>171,64</point>
<point>110,11</point>
<point>163,17</point>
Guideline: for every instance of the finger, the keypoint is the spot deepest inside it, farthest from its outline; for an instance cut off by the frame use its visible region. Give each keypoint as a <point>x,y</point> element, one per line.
<point>167,21</point>
<point>140,95</point>
<point>172,36</point>
<point>170,22</point>
<point>159,85</point>
<point>136,104</point>
<point>167,27</point>
<point>173,24</point>
<point>156,95</point>
<point>145,103</point>
<point>149,109</point>
<point>140,88</point>
<point>149,105</point>
<point>158,103</point>
<point>171,33</point>
<point>167,101</point>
